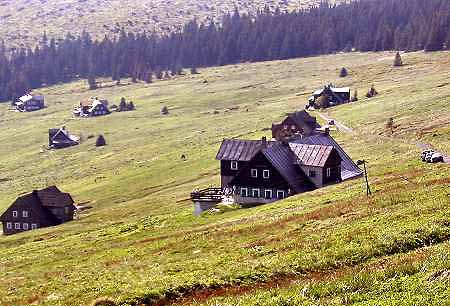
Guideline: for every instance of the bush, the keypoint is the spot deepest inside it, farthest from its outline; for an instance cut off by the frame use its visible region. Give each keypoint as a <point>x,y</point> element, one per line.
<point>100,141</point>
<point>164,110</point>
<point>343,73</point>
<point>398,60</point>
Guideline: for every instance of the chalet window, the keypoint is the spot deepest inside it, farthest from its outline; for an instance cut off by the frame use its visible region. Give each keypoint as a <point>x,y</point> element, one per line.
<point>266,174</point>
<point>25,213</point>
<point>281,194</point>
<point>255,193</point>
<point>33,226</point>
<point>254,173</point>
<point>328,172</point>
<point>15,214</point>
<point>17,225</point>
<point>234,165</point>
<point>244,192</point>
<point>25,226</point>
<point>312,173</point>
<point>8,225</point>
<point>268,194</point>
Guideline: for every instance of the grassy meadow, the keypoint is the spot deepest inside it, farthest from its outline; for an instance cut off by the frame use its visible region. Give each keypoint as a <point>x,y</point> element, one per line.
<point>140,243</point>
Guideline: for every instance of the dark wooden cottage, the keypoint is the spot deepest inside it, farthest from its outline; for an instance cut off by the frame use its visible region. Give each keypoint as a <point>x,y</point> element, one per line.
<point>29,103</point>
<point>40,208</point>
<point>295,124</point>
<point>265,171</point>
<point>329,96</point>
<point>92,107</point>
<point>61,138</point>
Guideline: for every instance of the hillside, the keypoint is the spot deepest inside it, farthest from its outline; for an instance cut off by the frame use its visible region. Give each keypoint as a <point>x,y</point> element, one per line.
<point>24,21</point>
<point>140,241</point>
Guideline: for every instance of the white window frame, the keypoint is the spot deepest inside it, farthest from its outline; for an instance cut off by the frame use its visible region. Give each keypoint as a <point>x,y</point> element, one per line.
<point>8,225</point>
<point>25,214</point>
<point>266,174</point>
<point>17,225</point>
<point>257,191</point>
<point>15,213</point>
<point>270,192</point>
<point>328,172</point>
<point>25,226</point>
<point>281,192</point>
<point>234,165</point>
<point>254,173</point>
<point>34,226</point>
<point>244,190</point>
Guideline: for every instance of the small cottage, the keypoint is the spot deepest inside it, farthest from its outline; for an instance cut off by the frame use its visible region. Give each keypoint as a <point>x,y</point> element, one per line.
<point>40,208</point>
<point>329,96</point>
<point>29,103</point>
<point>295,124</point>
<point>92,107</point>
<point>61,138</point>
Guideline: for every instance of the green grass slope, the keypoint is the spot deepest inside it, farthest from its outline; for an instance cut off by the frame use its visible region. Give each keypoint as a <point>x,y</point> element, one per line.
<point>140,242</point>
<point>24,21</point>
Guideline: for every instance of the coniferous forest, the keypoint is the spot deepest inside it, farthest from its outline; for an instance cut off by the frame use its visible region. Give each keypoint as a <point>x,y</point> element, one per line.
<point>377,25</point>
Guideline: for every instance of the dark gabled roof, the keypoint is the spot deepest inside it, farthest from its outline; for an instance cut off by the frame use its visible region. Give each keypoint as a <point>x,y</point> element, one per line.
<point>311,155</point>
<point>302,117</point>
<point>348,168</point>
<point>239,150</point>
<point>53,197</point>
<point>281,157</point>
<point>32,202</point>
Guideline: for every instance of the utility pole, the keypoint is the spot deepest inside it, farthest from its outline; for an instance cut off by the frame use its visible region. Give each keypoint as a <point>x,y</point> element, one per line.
<point>363,162</point>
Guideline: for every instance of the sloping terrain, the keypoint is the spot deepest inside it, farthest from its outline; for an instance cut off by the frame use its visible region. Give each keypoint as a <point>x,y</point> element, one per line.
<point>140,242</point>
<point>24,21</point>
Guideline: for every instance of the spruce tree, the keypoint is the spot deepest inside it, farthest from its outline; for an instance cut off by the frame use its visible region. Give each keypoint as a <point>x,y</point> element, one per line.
<point>398,60</point>
<point>343,73</point>
<point>100,142</point>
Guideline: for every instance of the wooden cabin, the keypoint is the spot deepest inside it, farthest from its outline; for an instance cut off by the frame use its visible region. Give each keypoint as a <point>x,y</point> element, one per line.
<point>61,138</point>
<point>40,208</point>
<point>329,96</point>
<point>265,171</point>
<point>92,107</point>
<point>295,124</point>
<point>29,103</point>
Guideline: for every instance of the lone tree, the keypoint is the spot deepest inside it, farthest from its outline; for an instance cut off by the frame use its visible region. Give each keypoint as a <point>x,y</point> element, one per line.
<point>164,110</point>
<point>372,92</point>
<point>100,142</point>
<point>130,106</point>
<point>122,105</point>
<point>343,73</point>
<point>398,60</point>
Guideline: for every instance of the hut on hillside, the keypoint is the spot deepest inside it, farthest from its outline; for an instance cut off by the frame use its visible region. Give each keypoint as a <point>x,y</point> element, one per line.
<point>61,138</point>
<point>29,103</point>
<point>92,107</point>
<point>329,96</point>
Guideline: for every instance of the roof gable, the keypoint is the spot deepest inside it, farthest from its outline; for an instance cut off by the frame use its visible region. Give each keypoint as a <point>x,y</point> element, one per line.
<point>312,155</point>
<point>240,150</point>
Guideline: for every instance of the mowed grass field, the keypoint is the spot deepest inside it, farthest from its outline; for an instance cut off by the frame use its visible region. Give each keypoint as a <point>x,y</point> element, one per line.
<point>140,243</point>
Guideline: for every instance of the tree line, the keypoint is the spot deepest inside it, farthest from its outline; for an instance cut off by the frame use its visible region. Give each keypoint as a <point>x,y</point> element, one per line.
<point>269,35</point>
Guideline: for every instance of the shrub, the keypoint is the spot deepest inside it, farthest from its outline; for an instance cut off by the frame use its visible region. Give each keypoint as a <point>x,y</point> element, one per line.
<point>100,142</point>
<point>164,110</point>
<point>343,73</point>
<point>398,60</point>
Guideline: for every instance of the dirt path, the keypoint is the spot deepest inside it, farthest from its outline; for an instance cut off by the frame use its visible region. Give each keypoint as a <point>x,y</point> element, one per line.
<point>340,126</point>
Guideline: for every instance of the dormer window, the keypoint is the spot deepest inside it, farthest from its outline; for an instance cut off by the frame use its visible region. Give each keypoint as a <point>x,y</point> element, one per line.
<point>266,174</point>
<point>234,165</point>
<point>254,173</point>
<point>15,213</point>
<point>25,213</point>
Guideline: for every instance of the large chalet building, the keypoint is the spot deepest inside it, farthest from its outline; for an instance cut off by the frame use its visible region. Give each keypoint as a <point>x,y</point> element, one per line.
<point>262,171</point>
<point>40,208</point>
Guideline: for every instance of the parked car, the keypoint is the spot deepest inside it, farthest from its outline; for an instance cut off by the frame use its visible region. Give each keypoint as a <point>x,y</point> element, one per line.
<point>425,153</point>
<point>437,158</point>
